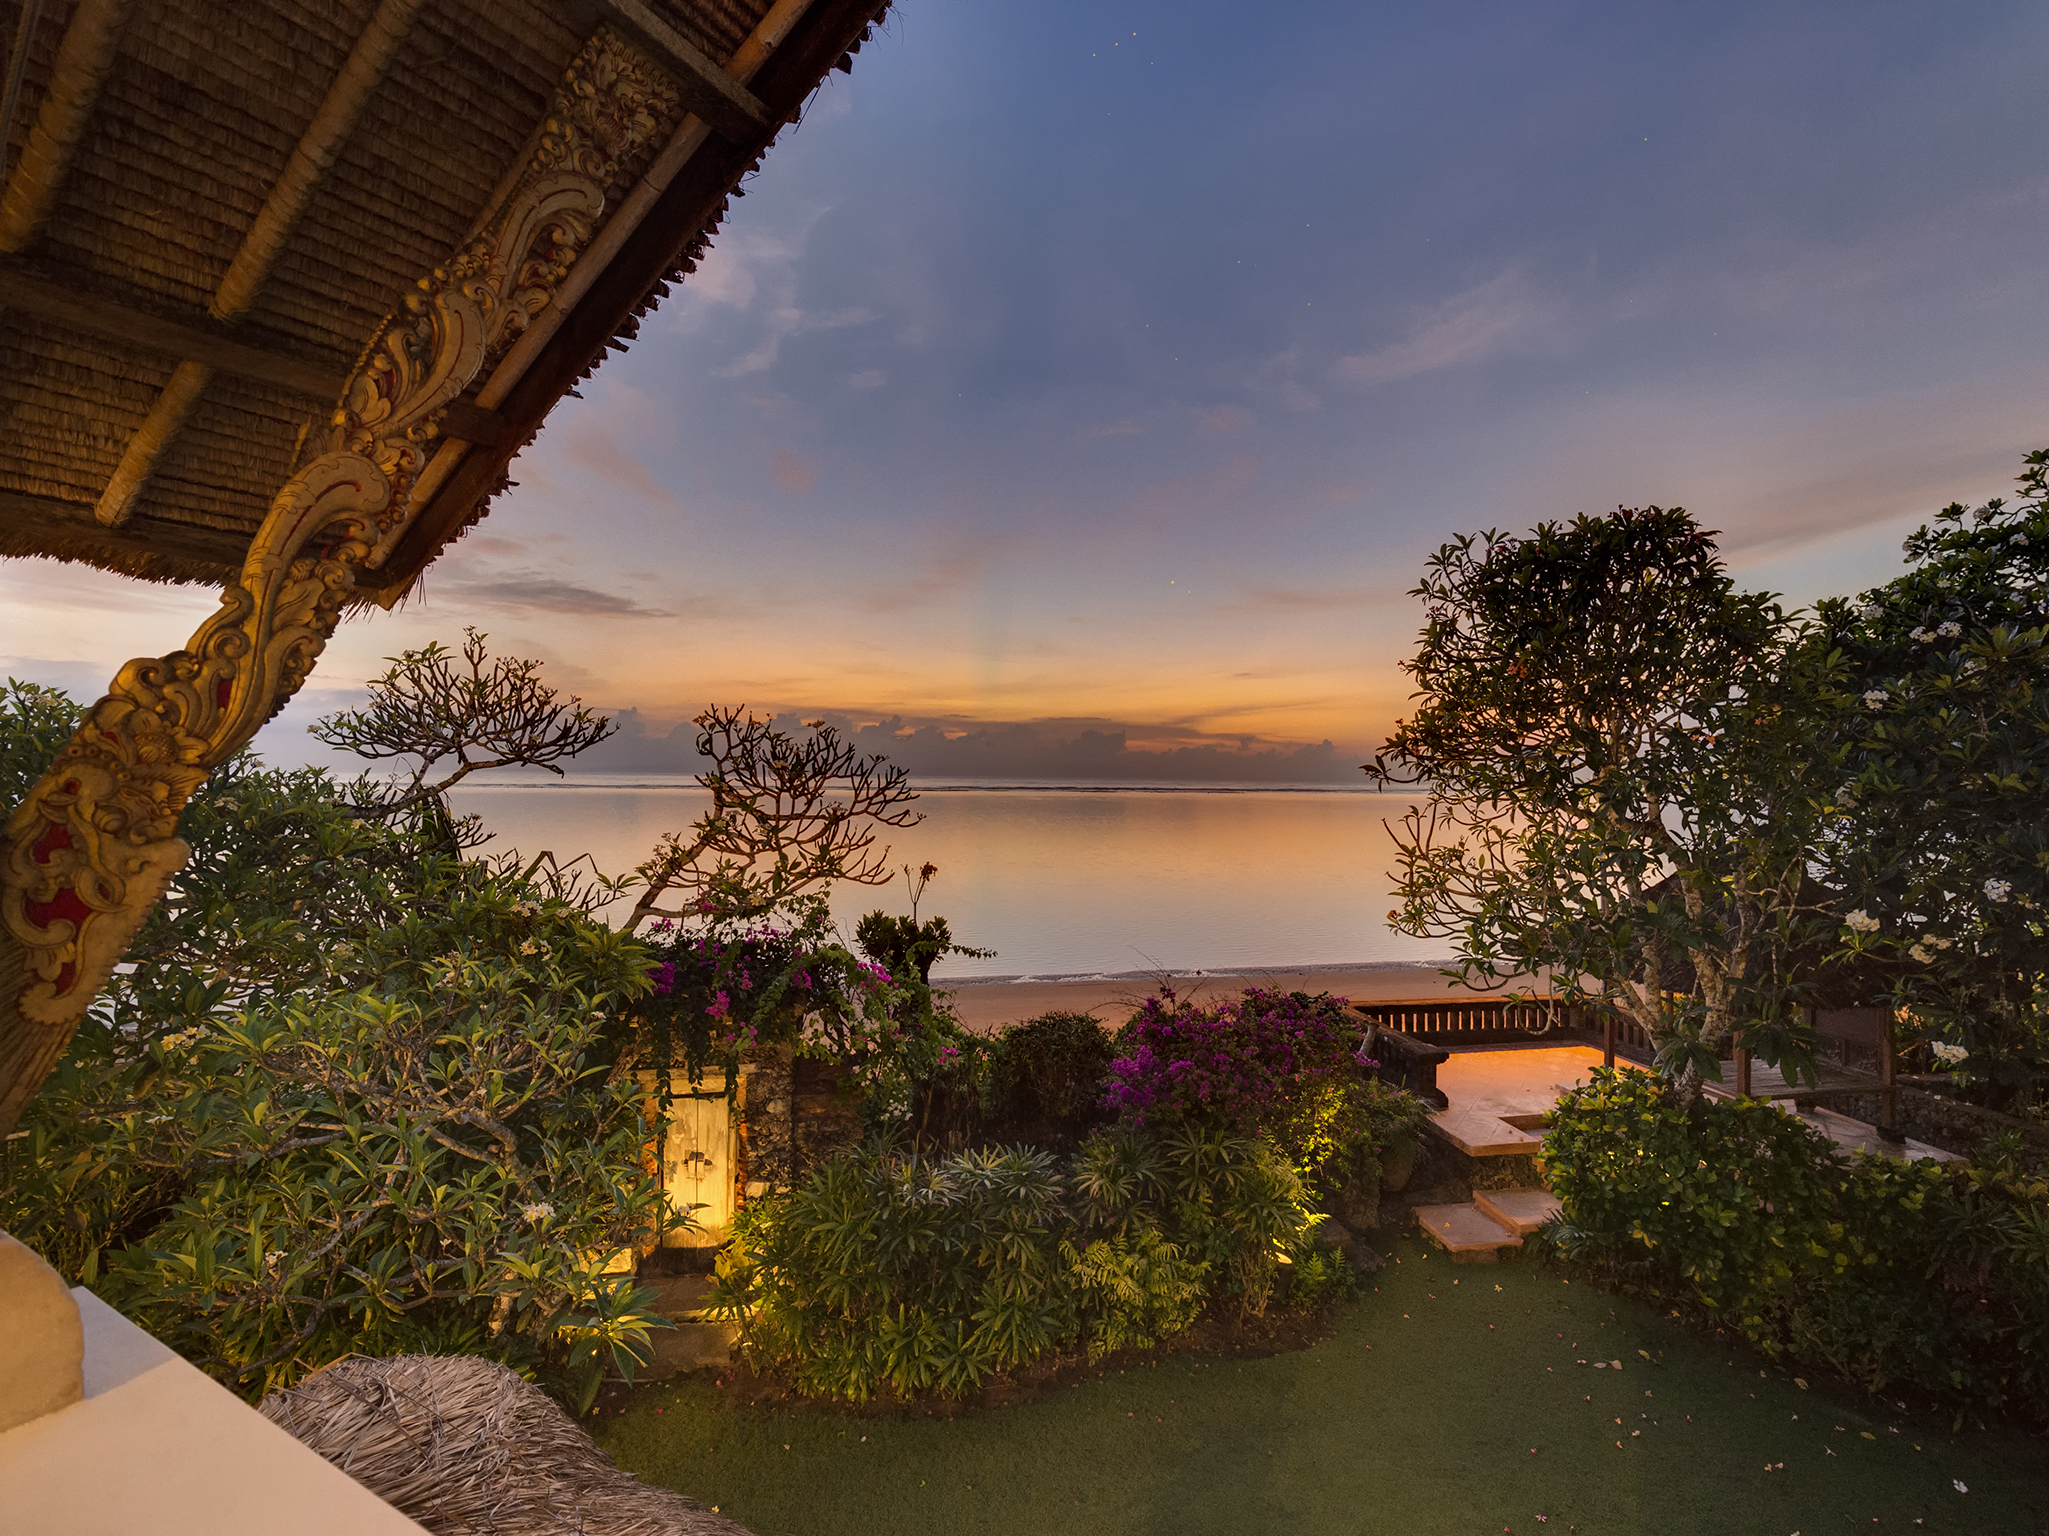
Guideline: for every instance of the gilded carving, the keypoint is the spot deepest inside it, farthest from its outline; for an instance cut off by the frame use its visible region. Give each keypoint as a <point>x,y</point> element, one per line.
<point>92,847</point>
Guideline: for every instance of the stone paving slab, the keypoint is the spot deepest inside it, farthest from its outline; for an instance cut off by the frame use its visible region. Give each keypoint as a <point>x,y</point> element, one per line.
<point>1490,1090</point>
<point>1522,1211</point>
<point>1468,1234</point>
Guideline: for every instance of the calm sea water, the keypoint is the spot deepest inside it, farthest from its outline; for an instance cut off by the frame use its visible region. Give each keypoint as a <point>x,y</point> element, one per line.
<point>1065,881</point>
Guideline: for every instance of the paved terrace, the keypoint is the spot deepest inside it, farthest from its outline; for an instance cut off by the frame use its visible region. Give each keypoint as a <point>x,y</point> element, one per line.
<point>1500,1096</point>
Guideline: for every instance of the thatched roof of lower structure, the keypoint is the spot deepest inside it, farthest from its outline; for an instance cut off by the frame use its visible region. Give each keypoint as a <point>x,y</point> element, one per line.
<point>209,209</point>
<point>466,1448</point>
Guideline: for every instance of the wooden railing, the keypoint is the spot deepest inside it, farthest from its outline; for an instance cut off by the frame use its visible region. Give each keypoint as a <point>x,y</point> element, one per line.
<point>1481,1018</point>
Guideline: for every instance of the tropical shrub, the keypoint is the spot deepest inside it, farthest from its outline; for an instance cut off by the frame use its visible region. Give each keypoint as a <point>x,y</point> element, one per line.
<point>722,989</point>
<point>904,946</point>
<point>912,1273</point>
<point>1043,1079</point>
<point>349,1093</point>
<point>1245,1064</point>
<point>1285,1066</point>
<point>1894,1273</point>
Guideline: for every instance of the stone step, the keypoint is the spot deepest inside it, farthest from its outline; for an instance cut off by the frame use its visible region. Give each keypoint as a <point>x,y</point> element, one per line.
<point>695,1342</point>
<point>689,1346</point>
<point>1522,1211</point>
<point>681,1295</point>
<point>1466,1232</point>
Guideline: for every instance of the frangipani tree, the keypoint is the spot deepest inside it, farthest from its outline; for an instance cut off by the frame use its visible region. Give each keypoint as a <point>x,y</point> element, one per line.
<point>1620,785</point>
<point>1943,714</point>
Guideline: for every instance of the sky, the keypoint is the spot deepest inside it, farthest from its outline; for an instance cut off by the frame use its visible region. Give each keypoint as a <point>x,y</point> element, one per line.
<point>1080,387</point>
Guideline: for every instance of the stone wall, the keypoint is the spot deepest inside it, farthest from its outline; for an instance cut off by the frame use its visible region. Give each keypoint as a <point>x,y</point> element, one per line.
<point>1943,1122</point>
<point>767,1157</point>
<point>826,1121</point>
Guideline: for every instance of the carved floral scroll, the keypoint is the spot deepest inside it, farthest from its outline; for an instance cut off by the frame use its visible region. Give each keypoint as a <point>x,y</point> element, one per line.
<point>94,845</point>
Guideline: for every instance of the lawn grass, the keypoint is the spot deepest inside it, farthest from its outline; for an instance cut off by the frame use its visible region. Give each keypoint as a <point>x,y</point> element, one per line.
<point>1449,1401</point>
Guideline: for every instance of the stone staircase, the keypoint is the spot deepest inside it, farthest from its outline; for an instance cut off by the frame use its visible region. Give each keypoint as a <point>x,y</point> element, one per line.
<point>694,1342</point>
<point>1495,1219</point>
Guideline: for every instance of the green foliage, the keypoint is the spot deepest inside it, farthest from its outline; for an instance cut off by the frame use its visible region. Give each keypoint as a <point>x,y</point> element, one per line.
<point>1337,1132</point>
<point>1944,798</point>
<point>614,1331</point>
<point>1617,753</point>
<point>914,1273</point>
<point>35,724</point>
<point>1284,1067</point>
<point>1893,1273</point>
<point>904,946</point>
<point>1043,1079</point>
<point>349,1093</point>
<point>907,947</point>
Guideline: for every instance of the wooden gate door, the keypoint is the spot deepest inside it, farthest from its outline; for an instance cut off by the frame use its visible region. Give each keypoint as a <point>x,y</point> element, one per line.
<point>697,1162</point>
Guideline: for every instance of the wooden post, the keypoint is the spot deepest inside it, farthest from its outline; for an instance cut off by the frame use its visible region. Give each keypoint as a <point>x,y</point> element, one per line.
<point>1608,1039</point>
<point>1889,1094</point>
<point>1742,1071</point>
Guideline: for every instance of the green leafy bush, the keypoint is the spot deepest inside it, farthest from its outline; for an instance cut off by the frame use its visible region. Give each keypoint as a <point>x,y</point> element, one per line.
<point>1284,1066</point>
<point>1042,1080</point>
<point>1934,1276</point>
<point>915,1273</point>
<point>348,1094</point>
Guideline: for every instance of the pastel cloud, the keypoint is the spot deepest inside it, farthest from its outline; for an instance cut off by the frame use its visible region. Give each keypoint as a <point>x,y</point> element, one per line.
<point>1483,320</point>
<point>795,475</point>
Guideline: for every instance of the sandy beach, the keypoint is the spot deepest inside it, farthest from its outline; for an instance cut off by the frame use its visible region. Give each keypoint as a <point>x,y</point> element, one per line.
<point>984,1006</point>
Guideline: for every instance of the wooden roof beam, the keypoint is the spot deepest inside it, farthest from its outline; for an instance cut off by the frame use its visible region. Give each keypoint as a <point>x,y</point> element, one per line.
<point>198,337</point>
<point>219,347</point>
<point>312,158</point>
<point>84,60</point>
<point>67,530</point>
<point>730,108</point>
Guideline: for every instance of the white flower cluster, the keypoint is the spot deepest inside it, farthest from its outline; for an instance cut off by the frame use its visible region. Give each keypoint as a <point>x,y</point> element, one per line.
<point>2020,538</point>
<point>273,1258</point>
<point>1870,611</point>
<point>1861,921</point>
<point>1998,890</point>
<point>526,909</point>
<point>1944,1051</point>
<point>1920,636</point>
<point>1926,950</point>
<point>1949,630</point>
<point>179,1039</point>
<point>533,947</point>
<point>1972,664</point>
<point>537,1211</point>
<point>1874,698</point>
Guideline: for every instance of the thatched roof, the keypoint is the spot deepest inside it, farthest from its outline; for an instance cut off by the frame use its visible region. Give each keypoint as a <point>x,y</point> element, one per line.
<point>209,209</point>
<point>466,1448</point>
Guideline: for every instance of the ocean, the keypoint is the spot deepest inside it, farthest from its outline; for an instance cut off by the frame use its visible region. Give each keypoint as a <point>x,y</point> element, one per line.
<point>1062,881</point>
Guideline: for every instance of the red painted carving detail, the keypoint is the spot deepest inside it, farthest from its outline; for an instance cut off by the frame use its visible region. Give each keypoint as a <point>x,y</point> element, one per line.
<point>54,838</point>
<point>221,691</point>
<point>67,904</point>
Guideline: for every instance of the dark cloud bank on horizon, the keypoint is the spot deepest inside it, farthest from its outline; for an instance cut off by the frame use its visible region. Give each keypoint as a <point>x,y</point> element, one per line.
<point>1062,750</point>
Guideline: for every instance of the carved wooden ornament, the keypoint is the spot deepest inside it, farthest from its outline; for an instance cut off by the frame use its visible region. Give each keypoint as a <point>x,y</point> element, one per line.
<point>94,844</point>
